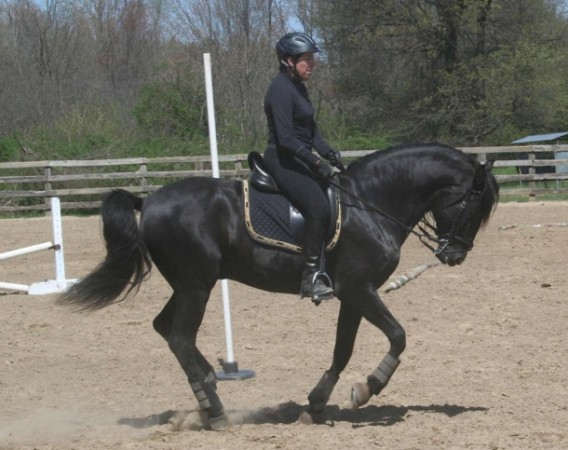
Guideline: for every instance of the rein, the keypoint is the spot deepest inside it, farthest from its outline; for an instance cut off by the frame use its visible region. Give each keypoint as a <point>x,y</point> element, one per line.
<point>424,236</point>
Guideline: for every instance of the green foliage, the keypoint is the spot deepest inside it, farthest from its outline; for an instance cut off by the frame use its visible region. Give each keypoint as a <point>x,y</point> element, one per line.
<point>465,73</point>
<point>172,105</point>
<point>152,147</point>
<point>342,134</point>
<point>84,131</point>
<point>474,72</point>
<point>9,149</point>
<point>105,143</point>
<point>96,131</point>
<point>356,140</point>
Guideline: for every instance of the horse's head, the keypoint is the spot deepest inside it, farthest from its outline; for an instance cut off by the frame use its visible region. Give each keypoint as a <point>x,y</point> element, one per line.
<point>457,224</point>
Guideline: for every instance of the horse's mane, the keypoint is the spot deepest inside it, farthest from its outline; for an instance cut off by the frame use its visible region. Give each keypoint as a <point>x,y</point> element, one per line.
<point>410,148</point>
<point>490,192</point>
<point>490,197</point>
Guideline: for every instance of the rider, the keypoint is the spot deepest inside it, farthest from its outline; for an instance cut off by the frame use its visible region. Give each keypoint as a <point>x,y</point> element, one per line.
<point>300,173</point>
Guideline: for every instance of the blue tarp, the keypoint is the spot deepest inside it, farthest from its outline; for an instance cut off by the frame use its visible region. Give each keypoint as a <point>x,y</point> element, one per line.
<point>541,138</point>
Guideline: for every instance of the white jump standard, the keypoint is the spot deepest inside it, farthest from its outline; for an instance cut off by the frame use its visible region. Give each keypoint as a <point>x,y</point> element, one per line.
<point>60,283</point>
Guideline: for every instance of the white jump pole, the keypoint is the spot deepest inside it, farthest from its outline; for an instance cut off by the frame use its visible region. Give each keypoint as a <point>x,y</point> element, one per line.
<point>19,252</point>
<point>50,286</point>
<point>230,367</point>
<point>26,250</point>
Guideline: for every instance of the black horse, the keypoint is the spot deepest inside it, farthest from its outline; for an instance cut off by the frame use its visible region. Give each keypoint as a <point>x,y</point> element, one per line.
<point>194,232</point>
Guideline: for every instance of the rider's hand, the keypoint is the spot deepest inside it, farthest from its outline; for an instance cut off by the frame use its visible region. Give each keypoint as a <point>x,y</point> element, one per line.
<point>323,169</point>
<point>334,158</point>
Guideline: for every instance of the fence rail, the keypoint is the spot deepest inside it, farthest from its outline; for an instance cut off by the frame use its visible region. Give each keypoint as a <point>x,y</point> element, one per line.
<point>27,186</point>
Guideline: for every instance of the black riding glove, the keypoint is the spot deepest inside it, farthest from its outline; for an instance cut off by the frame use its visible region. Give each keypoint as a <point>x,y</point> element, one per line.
<point>323,169</point>
<point>334,158</point>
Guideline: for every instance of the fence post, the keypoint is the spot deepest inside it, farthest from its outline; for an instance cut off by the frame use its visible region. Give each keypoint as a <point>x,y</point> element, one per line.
<point>47,188</point>
<point>143,179</point>
<point>238,168</point>
<point>532,171</point>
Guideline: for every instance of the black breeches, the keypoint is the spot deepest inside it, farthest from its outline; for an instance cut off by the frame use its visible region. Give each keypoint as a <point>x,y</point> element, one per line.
<point>297,182</point>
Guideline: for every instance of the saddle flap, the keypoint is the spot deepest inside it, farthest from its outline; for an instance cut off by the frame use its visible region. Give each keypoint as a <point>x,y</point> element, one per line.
<point>271,219</point>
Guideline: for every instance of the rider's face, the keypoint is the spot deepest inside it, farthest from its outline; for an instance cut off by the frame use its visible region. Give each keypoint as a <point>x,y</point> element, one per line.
<point>304,65</point>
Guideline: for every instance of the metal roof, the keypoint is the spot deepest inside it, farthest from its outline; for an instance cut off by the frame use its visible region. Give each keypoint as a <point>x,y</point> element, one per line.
<point>541,138</point>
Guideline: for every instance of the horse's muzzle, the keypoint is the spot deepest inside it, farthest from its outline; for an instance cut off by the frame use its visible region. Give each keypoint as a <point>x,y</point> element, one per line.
<point>452,257</point>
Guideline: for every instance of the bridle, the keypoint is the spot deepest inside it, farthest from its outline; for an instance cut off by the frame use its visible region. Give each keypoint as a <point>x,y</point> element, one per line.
<point>446,240</point>
<point>428,232</point>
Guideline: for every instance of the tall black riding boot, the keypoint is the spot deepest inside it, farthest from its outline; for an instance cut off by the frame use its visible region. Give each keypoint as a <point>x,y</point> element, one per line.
<point>313,283</point>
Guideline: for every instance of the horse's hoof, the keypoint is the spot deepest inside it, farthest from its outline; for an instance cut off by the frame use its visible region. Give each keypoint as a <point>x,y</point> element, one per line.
<point>309,417</point>
<point>219,423</point>
<point>360,394</point>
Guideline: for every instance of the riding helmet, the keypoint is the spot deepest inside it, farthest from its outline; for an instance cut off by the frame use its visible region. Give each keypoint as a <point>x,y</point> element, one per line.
<point>294,44</point>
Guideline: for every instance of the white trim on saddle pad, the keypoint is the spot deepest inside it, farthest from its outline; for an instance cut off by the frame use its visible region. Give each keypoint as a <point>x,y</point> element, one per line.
<point>255,235</point>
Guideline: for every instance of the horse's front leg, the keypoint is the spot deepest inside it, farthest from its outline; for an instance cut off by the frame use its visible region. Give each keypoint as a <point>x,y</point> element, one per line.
<point>376,312</point>
<point>347,326</point>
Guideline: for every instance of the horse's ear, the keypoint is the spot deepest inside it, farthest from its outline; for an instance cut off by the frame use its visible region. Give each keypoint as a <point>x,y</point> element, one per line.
<point>489,165</point>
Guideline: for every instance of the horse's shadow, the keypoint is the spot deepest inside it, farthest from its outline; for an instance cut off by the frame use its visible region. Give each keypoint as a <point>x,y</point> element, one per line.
<point>290,412</point>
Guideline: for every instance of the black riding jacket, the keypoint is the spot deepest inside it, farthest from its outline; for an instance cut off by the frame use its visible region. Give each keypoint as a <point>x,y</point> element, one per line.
<point>291,126</point>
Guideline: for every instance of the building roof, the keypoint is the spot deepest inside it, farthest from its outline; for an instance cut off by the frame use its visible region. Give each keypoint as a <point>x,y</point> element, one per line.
<point>541,138</point>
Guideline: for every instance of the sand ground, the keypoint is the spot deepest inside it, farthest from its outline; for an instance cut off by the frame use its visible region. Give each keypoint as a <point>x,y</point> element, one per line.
<point>485,366</point>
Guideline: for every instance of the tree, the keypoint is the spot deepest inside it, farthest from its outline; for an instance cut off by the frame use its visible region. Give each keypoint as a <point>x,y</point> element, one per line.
<point>41,58</point>
<point>460,71</point>
<point>240,35</point>
<point>438,69</point>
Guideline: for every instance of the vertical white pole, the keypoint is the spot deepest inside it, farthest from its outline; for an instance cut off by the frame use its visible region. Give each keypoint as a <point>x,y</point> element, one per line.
<point>215,168</point>
<point>58,242</point>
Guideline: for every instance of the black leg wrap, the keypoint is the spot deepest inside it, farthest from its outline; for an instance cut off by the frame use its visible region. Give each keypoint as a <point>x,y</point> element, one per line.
<point>382,374</point>
<point>207,398</point>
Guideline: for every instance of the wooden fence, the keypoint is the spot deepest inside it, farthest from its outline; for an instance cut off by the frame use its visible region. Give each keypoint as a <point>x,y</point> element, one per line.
<point>27,186</point>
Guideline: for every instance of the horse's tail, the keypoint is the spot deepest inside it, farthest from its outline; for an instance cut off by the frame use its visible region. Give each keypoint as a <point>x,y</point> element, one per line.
<point>127,262</point>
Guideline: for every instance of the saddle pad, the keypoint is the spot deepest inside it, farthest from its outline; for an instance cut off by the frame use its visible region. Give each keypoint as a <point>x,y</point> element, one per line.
<point>267,218</point>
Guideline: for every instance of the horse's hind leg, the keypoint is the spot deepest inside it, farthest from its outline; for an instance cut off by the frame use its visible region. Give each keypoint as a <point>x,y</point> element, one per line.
<point>187,311</point>
<point>163,325</point>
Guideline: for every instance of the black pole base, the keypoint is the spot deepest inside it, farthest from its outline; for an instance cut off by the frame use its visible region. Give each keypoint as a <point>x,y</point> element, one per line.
<point>231,372</point>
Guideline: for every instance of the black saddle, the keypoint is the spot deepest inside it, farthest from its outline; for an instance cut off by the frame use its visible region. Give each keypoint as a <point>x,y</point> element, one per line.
<point>261,180</point>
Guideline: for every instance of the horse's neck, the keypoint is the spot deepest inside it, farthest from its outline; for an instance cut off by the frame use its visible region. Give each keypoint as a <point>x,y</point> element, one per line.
<point>405,188</point>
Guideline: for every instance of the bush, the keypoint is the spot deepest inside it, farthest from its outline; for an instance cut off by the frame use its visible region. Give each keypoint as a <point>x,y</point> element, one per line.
<point>170,109</point>
<point>9,149</point>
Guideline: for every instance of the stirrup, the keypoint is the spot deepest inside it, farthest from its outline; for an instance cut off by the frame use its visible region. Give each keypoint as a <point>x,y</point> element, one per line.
<point>324,278</point>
